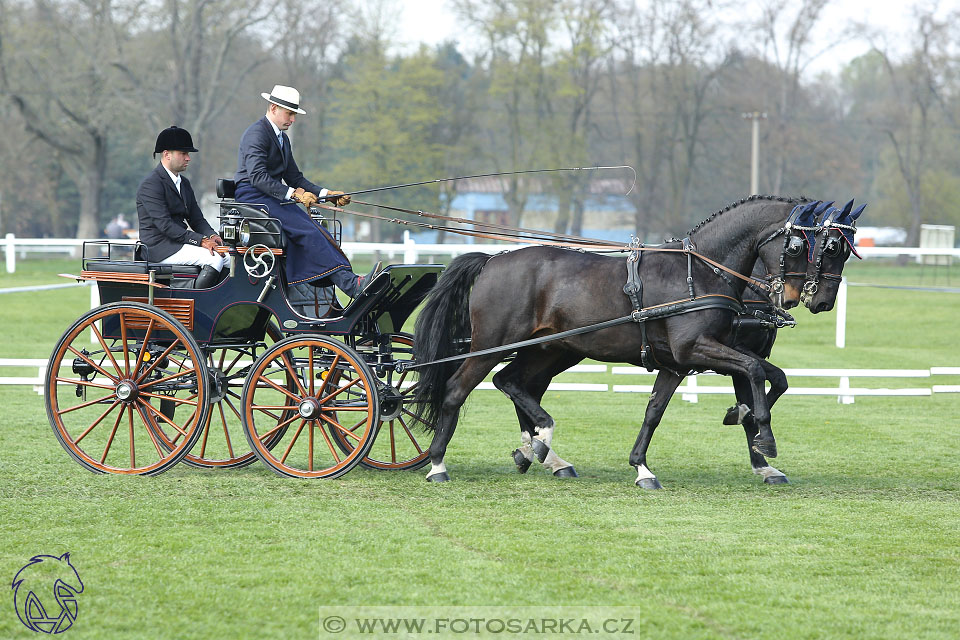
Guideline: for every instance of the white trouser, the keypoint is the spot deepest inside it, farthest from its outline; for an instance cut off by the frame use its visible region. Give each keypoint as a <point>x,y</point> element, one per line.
<point>190,254</point>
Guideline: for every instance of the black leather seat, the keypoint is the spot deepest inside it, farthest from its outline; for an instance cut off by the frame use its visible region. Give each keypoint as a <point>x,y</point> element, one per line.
<point>178,276</point>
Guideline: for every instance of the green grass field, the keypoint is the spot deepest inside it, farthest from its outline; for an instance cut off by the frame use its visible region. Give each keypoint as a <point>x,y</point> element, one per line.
<point>862,544</point>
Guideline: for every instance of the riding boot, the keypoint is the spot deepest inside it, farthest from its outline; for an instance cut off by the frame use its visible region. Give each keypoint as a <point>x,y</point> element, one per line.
<point>207,278</point>
<point>352,284</point>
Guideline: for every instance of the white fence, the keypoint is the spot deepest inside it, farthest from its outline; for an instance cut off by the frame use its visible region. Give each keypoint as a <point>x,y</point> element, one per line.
<point>410,250</point>
<point>690,390</point>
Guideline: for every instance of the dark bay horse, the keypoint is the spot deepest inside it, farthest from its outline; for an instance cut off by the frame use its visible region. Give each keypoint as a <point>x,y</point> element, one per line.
<point>541,291</point>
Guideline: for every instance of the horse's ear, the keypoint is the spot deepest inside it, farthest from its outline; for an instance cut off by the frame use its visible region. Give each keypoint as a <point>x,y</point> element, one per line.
<point>823,207</point>
<point>856,212</point>
<point>846,208</point>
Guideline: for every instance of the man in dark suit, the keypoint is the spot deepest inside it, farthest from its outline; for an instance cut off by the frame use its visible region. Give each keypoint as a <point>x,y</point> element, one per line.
<point>267,174</point>
<point>166,204</point>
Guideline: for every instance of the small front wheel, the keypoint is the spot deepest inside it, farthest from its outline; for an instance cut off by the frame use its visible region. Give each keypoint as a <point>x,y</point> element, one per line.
<point>330,380</point>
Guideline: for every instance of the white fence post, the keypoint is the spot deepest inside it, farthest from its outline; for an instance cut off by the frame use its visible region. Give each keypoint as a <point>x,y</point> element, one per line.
<point>841,306</point>
<point>11,254</point>
<point>409,248</point>
<point>690,397</point>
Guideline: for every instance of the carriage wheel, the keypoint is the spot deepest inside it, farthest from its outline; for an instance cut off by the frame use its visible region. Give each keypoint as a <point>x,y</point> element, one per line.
<point>401,443</point>
<point>107,379</point>
<point>331,381</point>
<point>221,444</point>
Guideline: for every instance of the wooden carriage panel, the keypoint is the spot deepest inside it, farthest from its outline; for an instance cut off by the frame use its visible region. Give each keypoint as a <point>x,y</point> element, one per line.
<point>179,308</point>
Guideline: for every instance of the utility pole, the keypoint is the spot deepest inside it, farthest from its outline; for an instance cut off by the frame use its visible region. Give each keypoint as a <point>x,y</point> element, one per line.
<point>756,117</point>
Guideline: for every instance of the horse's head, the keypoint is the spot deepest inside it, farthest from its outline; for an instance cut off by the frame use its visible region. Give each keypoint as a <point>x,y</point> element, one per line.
<point>786,251</point>
<point>834,244</point>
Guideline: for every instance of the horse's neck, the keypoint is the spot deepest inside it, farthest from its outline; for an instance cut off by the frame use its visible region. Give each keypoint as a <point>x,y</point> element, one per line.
<point>732,241</point>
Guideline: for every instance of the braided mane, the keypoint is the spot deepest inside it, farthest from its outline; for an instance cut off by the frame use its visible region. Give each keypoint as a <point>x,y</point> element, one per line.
<point>742,201</point>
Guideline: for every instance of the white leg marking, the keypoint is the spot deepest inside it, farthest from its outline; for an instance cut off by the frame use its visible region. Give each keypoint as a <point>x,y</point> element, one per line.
<point>644,474</point>
<point>768,472</point>
<point>555,462</point>
<point>545,434</point>
<point>437,468</point>
<point>526,448</point>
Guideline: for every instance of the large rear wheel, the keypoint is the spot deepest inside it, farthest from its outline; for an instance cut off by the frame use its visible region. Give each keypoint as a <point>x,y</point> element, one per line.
<point>108,380</point>
<point>401,444</point>
<point>331,380</point>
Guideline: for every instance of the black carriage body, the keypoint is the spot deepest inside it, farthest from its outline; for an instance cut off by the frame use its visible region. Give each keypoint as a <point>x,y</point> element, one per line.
<point>238,308</point>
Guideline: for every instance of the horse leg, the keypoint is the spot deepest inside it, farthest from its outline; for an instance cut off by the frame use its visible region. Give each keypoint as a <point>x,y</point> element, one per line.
<point>761,467</point>
<point>663,388</point>
<point>524,381</point>
<point>458,387</point>
<point>706,353</point>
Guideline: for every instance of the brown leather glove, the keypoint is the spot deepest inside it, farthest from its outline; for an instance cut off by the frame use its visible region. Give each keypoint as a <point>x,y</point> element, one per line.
<point>340,201</point>
<point>304,197</point>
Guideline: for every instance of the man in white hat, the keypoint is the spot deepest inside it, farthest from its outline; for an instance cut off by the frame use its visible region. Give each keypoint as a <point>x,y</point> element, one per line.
<point>267,174</point>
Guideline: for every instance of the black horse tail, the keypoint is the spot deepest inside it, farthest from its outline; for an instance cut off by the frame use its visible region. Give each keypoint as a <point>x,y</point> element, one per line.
<point>441,330</point>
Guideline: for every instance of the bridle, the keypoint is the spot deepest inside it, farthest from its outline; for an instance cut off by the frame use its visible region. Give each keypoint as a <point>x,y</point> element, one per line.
<point>794,244</point>
<point>831,246</point>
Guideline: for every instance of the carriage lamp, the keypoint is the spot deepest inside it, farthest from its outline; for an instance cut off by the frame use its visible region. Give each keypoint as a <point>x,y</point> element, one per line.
<point>235,230</point>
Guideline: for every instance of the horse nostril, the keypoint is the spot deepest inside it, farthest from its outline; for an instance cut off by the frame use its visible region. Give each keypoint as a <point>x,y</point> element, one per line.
<point>823,306</point>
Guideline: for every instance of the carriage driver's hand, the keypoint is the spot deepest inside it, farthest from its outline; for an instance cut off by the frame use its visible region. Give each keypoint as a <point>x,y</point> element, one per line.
<point>304,197</point>
<point>210,243</point>
<point>340,201</point>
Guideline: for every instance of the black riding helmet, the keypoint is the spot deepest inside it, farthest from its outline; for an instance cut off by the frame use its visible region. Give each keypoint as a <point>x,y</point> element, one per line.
<point>174,139</point>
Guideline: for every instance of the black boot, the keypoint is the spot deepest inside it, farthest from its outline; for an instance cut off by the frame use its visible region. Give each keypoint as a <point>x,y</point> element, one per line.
<point>207,278</point>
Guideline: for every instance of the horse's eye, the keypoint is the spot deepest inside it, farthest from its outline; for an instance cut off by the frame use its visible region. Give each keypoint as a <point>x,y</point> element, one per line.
<point>795,246</point>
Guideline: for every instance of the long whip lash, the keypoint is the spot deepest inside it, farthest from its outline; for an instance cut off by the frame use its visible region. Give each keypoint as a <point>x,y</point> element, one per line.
<point>503,173</point>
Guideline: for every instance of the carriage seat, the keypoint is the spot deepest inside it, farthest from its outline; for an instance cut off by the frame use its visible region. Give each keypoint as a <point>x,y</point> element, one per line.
<point>176,276</point>
<point>262,230</point>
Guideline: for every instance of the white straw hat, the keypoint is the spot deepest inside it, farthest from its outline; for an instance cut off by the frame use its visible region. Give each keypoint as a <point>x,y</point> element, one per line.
<point>286,97</point>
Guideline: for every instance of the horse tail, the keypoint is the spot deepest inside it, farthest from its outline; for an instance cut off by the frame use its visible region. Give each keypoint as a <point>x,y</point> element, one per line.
<point>441,326</point>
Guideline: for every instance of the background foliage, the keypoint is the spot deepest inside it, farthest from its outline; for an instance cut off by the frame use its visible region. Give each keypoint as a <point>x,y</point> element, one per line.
<point>659,85</point>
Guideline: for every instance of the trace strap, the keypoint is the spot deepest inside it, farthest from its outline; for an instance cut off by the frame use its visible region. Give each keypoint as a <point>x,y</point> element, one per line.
<point>712,301</point>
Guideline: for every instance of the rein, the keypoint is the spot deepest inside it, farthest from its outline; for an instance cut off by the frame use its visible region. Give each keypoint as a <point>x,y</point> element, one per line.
<point>552,239</point>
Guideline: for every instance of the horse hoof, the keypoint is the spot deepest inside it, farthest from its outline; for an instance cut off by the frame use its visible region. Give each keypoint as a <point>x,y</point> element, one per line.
<point>439,477</point>
<point>566,472</point>
<point>766,448</point>
<point>649,483</point>
<point>733,415</point>
<point>521,461</point>
<point>540,450</point>
<point>776,480</point>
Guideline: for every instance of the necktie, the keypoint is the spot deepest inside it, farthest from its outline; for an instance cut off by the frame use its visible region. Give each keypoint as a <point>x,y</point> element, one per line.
<point>280,139</point>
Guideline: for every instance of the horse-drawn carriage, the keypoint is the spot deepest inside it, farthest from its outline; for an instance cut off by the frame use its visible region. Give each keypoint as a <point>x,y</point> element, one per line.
<point>244,368</point>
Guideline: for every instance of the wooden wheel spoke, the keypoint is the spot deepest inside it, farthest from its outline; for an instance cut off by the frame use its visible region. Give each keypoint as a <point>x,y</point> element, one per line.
<point>409,434</point>
<point>337,392</point>
<point>226,433</point>
<point>106,349</point>
<point>158,360</point>
<point>326,379</point>
<point>291,372</point>
<point>133,454</point>
<point>126,352</point>
<point>393,445</point>
<point>84,383</point>
<point>234,409</point>
<point>96,422</point>
<point>415,417</point>
<point>153,437</point>
<point>293,441</point>
<point>342,429</point>
<point>277,428</point>
<point>173,399</point>
<point>85,404</point>
<point>179,374</point>
<point>181,430</point>
<point>310,446</point>
<point>310,377</point>
<point>143,345</point>
<point>113,432</point>
<point>94,365</point>
<point>270,407</point>
<point>273,384</point>
<point>333,450</point>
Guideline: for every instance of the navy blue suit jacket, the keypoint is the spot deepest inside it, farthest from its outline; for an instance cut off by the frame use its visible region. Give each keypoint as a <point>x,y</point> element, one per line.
<point>164,215</point>
<point>263,164</point>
